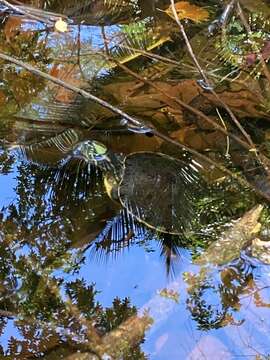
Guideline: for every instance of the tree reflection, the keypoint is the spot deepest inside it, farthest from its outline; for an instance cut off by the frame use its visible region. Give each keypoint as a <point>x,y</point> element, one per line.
<point>63,208</point>
<point>38,232</point>
<point>215,297</point>
<point>50,327</point>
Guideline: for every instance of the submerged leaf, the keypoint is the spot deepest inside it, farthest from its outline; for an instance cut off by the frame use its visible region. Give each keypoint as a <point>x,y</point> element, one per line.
<point>261,250</point>
<point>185,10</point>
<point>140,35</point>
<point>229,246</point>
<point>69,73</point>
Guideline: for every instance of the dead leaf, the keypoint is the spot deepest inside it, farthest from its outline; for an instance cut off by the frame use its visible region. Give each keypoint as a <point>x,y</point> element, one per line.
<point>12,27</point>
<point>69,73</point>
<point>3,98</point>
<point>185,10</point>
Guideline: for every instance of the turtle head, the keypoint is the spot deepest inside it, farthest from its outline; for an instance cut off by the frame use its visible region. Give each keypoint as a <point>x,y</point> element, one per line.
<point>96,153</point>
<point>91,151</point>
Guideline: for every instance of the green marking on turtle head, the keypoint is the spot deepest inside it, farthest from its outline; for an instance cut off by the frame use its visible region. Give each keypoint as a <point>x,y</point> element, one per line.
<point>99,148</point>
<point>91,151</point>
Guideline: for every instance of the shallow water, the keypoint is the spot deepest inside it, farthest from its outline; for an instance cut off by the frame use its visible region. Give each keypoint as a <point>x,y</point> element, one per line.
<point>75,265</point>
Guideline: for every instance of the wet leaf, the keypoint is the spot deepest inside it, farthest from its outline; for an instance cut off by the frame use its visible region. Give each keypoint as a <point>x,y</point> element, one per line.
<point>3,98</point>
<point>261,250</point>
<point>185,10</point>
<point>12,27</point>
<point>70,74</point>
<point>230,244</point>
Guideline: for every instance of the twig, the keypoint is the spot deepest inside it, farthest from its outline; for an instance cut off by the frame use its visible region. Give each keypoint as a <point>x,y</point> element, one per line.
<point>223,19</point>
<point>227,153</point>
<point>254,292</point>
<point>151,55</point>
<point>79,52</point>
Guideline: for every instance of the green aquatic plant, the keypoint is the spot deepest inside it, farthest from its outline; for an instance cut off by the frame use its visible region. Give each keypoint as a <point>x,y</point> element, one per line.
<point>142,35</point>
<point>239,48</point>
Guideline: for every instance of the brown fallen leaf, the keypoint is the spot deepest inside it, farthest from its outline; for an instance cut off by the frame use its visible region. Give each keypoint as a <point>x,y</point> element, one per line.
<point>3,98</point>
<point>69,73</point>
<point>12,27</point>
<point>185,10</point>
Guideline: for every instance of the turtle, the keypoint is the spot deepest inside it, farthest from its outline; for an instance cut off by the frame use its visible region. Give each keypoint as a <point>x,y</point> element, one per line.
<point>157,189</point>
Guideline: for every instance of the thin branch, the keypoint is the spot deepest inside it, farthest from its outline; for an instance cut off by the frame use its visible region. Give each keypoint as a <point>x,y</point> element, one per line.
<point>227,153</point>
<point>79,52</point>
<point>152,55</point>
<point>254,292</point>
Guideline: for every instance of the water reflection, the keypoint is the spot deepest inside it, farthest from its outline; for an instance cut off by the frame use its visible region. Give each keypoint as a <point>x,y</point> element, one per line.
<point>60,222</point>
<point>77,270</point>
<point>48,218</point>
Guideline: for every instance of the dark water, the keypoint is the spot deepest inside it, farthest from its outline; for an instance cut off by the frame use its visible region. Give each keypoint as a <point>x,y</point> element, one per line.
<point>75,265</point>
